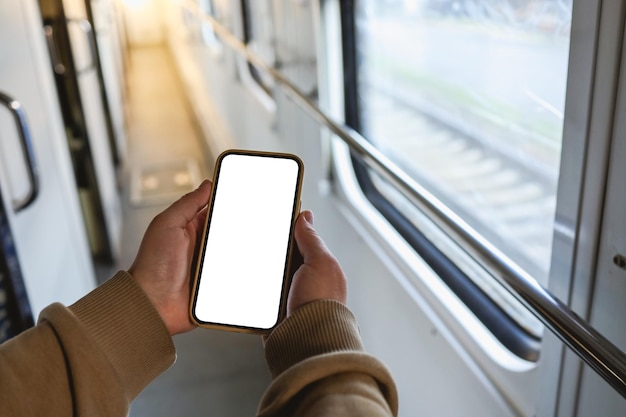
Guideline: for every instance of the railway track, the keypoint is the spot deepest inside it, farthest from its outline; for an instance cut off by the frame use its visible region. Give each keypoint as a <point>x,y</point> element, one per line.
<point>501,197</point>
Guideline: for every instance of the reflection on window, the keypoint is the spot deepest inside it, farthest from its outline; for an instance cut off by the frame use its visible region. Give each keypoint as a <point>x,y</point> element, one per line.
<point>468,97</point>
<point>259,37</point>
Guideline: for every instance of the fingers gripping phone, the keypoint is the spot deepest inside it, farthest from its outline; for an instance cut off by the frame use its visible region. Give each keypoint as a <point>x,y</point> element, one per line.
<point>242,275</point>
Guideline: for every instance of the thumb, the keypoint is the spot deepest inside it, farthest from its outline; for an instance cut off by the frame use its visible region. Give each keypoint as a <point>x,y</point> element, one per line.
<point>320,276</point>
<point>310,244</point>
<point>187,207</point>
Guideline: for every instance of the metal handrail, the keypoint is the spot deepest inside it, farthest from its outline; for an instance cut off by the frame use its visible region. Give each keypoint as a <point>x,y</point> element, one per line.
<point>590,345</point>
<point>26,144</point>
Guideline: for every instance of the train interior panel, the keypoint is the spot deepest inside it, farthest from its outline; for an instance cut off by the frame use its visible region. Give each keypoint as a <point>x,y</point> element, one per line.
<point>463,161</point>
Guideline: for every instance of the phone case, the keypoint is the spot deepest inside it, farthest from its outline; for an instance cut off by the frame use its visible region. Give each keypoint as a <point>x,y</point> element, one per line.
<point>293,257</point>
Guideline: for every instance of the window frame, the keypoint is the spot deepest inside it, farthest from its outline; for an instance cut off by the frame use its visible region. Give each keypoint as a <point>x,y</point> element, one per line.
<point>515,337</point>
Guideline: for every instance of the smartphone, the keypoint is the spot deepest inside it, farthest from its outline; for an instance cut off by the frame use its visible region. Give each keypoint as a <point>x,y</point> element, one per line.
<point>242,273</point>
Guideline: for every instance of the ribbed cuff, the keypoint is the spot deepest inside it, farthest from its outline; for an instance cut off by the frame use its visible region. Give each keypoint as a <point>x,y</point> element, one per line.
<point>129,331</point>
<point>316,328</point>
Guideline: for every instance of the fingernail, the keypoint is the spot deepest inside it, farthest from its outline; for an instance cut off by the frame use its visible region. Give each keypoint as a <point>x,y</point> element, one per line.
<point>308,216</point>
<point>204,182</point>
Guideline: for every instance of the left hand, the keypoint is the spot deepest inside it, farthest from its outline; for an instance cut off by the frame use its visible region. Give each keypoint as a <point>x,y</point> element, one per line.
<point>163,264</point>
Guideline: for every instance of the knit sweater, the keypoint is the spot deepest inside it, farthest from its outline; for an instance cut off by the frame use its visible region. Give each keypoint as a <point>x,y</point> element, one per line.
<point>95,357</point>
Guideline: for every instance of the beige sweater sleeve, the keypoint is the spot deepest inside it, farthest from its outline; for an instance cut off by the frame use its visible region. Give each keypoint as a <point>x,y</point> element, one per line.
<point>95,357</point>
<point>91,359</point>
<point>319,368</point>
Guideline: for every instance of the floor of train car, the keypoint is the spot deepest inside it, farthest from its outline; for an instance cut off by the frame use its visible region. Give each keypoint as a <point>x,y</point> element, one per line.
<point>216,373</point>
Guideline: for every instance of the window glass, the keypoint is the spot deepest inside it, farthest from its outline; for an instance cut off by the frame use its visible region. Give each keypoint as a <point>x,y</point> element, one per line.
<point>259,37</point>
<point>468,97</point>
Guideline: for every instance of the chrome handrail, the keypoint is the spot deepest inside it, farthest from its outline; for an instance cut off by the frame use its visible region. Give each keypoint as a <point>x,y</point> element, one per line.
<point>590,345</point>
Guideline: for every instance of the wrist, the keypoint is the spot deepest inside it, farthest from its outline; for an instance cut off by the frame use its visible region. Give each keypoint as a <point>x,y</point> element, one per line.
<point>316,328</point>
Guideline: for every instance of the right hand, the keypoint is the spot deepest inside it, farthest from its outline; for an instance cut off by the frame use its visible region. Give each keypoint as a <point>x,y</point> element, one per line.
<point>163,264</point>
<point>320,276</point>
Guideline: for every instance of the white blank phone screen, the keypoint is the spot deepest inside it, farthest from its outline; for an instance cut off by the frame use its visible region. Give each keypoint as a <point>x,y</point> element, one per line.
<point>246,249</point>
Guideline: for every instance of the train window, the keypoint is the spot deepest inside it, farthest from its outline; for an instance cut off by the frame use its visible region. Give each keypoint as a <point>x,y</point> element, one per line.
<point>295,45</point>
<point>258,33</point>
<point>468,98</point>
<point>206,31</point>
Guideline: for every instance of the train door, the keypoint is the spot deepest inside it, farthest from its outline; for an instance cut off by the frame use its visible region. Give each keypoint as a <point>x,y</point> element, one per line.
<point>75,63</point>
<point>38,187</point>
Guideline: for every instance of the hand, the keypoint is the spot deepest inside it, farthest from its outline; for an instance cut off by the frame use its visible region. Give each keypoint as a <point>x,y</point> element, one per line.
<point>163,264</point>
<point>320,276</point>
